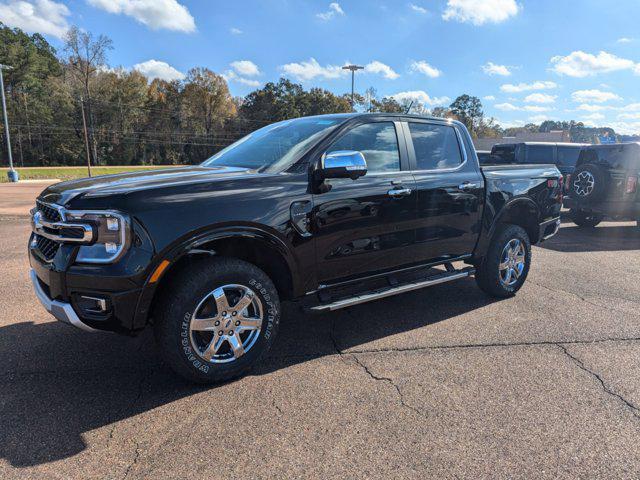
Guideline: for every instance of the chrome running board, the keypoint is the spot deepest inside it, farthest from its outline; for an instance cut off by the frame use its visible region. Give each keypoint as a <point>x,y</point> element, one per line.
<point>388,292</point>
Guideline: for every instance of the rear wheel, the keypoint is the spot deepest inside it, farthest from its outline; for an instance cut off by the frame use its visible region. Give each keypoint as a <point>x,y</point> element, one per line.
<point>506,265</point>
<point>217,319</point>
<point>584,219</point>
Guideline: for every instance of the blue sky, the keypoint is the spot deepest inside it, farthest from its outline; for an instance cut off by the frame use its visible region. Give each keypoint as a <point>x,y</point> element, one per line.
<point>527,60</point>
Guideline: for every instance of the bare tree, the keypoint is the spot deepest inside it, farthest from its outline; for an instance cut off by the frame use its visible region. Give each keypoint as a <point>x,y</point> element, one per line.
<point>85,56</point>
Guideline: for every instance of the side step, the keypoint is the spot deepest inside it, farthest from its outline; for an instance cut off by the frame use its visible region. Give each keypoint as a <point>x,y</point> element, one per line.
<point>388,292</point>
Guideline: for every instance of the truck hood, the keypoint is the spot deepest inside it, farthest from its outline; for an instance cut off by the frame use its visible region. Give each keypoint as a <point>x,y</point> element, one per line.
<point>123,183</point>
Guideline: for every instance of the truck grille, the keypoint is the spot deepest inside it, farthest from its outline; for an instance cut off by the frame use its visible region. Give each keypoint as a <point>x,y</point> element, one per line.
<point>50,214</point>
<point>48,248</point>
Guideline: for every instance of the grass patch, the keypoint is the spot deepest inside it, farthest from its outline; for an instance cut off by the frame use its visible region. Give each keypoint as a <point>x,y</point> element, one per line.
<point>69,173</point>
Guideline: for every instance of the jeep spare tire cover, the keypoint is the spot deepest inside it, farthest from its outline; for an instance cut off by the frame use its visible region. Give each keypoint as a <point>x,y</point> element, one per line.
<point>588,183</point>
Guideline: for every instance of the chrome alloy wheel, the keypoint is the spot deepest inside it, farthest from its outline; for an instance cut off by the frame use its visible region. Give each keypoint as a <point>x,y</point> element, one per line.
<point>512,262</point>
<point>226,323</point>
<point>583,183</point>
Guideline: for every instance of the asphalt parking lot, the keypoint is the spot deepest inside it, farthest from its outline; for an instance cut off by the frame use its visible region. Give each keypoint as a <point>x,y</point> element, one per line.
<point>438,383</point>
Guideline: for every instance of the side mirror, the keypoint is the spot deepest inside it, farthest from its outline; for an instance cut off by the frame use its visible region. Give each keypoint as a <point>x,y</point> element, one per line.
<point>343,164</point>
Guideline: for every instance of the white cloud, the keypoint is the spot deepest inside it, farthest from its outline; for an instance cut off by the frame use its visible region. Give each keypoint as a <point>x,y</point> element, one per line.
<point>489,98</point>
<point>593,116</point>
<point>155,14</point>
<point>311,69</point>
<point>235,31</point>
<point>595,96</point>
<point>506,107</point>
<point>36,16</point>
<point>535,108</point>
<point>539,118</point>
<point>334,9</point>
<point>479,12</point>
<point>418,8</point>
<point>422,97</point>
<point>491,68</point>
<point>509,107</point>
<point>625,40</point>
<point>581,64</point>
<point>540,98</point>
<point>423,67</point>
<point>378,67</point>
<point>240,69</point>
<point>526,87</point>
<point>157,69</point>
<point>246,68</point>
<point>590,108</point>
<point>629,116</point>
<point>625,128</point>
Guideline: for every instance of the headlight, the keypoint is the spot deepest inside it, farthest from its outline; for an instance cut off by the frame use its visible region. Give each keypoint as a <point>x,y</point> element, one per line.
<point>111,235</point>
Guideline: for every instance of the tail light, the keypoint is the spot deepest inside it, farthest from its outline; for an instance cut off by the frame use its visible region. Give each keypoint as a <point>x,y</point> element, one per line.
<point>567,183</point>
<point>632,184</point>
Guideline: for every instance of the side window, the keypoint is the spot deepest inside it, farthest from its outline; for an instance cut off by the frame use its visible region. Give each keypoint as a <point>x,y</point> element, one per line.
<point>436,146</point>
<point>540,154</point>
<point>377,142</point>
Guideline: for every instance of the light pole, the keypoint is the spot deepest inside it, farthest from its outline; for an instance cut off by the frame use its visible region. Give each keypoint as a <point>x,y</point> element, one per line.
<point>353,69</point>
<point>12,174</point>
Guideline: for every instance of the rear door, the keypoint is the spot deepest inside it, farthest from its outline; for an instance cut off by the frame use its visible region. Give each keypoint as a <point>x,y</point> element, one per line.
<point>366,226</point>
<point>450,191</point>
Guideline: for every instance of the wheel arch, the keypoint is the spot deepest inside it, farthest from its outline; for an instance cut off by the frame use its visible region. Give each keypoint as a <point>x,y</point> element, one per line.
<point>254,245</point>
<point>521,211</point>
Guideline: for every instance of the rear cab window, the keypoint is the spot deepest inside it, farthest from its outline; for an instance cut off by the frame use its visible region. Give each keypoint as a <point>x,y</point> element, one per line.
<point>504,153</point>
<point>539,154</point>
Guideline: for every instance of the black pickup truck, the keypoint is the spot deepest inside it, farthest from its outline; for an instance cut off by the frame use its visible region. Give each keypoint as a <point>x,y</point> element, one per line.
<point>335,210</point>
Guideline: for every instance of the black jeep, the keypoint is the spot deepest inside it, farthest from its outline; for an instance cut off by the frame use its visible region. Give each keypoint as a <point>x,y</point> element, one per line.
<point>605,183</point>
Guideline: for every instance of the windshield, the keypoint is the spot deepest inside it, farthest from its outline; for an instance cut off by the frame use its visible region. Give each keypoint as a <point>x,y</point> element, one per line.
<point>275,147</point>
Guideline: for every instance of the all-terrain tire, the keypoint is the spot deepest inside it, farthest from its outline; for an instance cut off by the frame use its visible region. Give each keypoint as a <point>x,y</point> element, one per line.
<point>489,275</point>
<point>585,220</point>
<point>176,310</point>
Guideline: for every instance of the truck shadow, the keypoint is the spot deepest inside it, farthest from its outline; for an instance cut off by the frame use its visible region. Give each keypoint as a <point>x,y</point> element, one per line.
<point>58,383</point>
<point>606,237</point>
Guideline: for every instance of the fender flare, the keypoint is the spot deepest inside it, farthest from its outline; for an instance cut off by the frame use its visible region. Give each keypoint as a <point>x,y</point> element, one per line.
<point>489,230</point>
<point>192,245</point>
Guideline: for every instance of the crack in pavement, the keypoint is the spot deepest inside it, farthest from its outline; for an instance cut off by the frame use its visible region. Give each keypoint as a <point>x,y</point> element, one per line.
<point>146,378</point>
<point>580,364</point>
<point>368,371</point>
<point>585,299</point>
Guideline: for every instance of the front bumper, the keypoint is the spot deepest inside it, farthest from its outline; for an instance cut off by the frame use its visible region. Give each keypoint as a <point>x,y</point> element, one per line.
<point>60,310</point>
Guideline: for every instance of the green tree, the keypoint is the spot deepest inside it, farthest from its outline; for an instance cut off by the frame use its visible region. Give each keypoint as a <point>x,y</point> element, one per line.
<point>468,110</point>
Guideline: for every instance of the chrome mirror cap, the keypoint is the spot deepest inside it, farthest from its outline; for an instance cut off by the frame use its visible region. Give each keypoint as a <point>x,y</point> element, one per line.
<point>343,164</point>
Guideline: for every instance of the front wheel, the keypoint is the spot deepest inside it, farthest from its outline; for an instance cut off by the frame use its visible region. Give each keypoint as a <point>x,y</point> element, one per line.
<point>505,267</point>
<point>217,319</point>
<point>585,220</point>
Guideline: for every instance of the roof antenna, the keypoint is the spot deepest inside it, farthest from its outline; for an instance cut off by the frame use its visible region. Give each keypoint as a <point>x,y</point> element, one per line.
<point>409,108</point>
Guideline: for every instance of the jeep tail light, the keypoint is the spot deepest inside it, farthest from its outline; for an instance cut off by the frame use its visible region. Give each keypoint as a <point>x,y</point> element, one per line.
<point>632,184</point>
<point>568,182</point>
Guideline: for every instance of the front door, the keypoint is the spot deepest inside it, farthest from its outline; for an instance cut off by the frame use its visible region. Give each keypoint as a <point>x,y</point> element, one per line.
<point>450,191</point>
<point>365,226</point>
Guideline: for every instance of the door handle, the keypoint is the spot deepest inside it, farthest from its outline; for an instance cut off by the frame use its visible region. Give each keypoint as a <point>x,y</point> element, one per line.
<point>467,186</point>
<point>399,192</point>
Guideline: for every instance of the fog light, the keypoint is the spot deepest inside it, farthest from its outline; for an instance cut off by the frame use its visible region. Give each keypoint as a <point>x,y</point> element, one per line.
<point>92,305</point>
